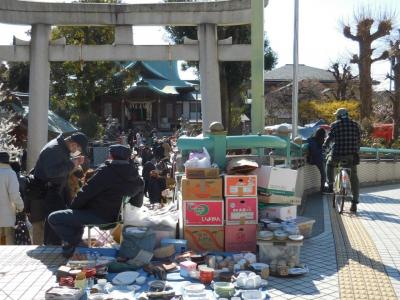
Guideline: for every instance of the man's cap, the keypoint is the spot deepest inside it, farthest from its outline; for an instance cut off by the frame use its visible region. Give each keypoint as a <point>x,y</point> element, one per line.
<point>81,139</point>
<point>341,113</point>
<point>120,152</point>
<point>4,157</point>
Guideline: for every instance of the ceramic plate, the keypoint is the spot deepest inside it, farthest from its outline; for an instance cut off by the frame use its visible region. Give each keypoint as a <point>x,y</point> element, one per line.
<point>298,271</point>
<point>296,237</point>
<point>125,278</point>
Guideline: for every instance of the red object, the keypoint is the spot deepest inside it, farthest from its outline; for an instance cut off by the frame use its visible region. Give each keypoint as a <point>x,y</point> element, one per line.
<point>241,238</point>
<point>203,213</point>
<point>384,131</point>
<point>206,275</point>
<point>241,210</point>
<point>89,272</point>
<point>66,281</point>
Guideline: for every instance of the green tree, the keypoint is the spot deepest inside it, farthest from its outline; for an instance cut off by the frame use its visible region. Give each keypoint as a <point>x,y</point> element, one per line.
<point>75,85</point>
<point>234,76</point>
<point>16,77</point>
<point>368,30</point>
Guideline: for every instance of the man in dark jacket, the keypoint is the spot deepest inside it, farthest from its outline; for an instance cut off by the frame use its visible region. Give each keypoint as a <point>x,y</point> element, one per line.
<point>56,160</point>
<point>99,201</point>
<point>345,138</point>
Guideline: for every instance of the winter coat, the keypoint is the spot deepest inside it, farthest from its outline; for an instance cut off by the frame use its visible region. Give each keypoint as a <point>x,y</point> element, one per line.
<point>155,186</point>
<point>10,198</point>
<point>104,191</point>
<point>147,168</point>
<point>316,155</point>
<point>54,163</point>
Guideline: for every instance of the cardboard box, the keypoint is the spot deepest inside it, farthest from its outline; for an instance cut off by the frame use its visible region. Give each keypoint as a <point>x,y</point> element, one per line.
<point>278,181</point>
<point>203,213</point>
<point>201,189</point>
<point>279,199</point>
<point>275,211</point>
<point>206,238</point>
<point>201,173</point>
<point>240,185</point>
<point>241,210</point>
<point>241,238</point>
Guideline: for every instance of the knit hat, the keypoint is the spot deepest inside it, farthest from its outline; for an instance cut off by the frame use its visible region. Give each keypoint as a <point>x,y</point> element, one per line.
<point>4,158</point>
<point>120,152</point>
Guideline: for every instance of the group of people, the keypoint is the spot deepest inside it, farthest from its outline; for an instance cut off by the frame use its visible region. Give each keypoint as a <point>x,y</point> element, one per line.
<point>341,145</point>
<point>62,194</point>
<point>59,212</point>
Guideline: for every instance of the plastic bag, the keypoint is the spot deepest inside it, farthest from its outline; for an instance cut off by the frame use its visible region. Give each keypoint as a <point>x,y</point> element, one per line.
<point>198,160</point>
<point>136,239</point>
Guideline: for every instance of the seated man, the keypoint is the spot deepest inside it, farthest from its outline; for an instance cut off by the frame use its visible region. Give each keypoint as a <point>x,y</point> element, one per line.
<point>99,201</point>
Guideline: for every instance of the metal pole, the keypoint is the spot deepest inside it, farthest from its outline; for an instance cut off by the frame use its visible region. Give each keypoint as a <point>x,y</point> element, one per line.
<point>257,67</point>
<point>295,86</point>
<point>197,110</point>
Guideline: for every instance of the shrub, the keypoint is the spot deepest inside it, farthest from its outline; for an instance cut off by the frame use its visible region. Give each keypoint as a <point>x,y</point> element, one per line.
<point>314,110</point>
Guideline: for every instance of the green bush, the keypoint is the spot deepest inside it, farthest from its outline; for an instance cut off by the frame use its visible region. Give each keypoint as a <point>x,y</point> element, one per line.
<point>314,110</point>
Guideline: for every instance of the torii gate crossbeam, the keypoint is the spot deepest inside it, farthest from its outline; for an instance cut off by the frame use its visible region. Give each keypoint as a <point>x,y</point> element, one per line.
<point>205,15</point>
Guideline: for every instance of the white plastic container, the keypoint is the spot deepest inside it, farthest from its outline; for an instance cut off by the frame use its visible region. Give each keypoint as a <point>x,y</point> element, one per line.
<point>305,226</point>
<point>269,250</point>
<point>252,295</point>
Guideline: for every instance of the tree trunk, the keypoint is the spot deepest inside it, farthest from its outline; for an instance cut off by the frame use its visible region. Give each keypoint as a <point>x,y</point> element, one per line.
<point>396,100</point>
<point>224,96</point>
<point>364,66</point>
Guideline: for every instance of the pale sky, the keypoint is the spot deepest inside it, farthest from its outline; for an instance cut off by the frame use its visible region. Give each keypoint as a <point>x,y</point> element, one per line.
<point>320,37</point>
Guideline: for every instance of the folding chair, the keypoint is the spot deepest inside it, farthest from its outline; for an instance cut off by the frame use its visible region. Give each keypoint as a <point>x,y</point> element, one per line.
<point>104,230</point>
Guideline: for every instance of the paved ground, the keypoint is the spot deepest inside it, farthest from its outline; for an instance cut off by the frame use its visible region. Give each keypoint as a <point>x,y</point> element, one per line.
<point>352,257</point>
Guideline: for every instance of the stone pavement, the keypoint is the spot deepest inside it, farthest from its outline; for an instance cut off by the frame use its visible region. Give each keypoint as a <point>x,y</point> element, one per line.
<point>354,257</point>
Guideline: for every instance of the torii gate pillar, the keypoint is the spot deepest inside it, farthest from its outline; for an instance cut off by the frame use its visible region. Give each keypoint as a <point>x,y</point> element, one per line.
<point>209,75</point>
<point>39,75</point>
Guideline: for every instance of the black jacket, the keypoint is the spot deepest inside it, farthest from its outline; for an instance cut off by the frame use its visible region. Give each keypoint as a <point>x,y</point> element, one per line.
<point>54,163</point>
<point>155,186</point>
<point>104,191</point>
<point>147,168</point>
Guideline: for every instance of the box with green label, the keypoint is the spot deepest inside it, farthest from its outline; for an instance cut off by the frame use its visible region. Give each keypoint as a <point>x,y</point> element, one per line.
<point>203,213</point>
<point>278,184</point>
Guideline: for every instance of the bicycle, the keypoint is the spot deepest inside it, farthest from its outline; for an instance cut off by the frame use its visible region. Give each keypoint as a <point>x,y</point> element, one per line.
<point>342,186</point>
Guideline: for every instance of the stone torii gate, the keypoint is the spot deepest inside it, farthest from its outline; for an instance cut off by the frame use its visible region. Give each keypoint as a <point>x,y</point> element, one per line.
<point>207,50</point>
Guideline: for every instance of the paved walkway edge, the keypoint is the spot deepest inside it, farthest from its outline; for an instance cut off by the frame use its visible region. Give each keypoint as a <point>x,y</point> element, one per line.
<point>361,272</point>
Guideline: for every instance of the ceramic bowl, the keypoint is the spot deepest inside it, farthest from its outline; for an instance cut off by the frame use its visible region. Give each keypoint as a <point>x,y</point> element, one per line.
<point>280,235</point>
<point>224,289</point>
<point>266,235</point>
<point>274,226</point>
<point>252,295</point>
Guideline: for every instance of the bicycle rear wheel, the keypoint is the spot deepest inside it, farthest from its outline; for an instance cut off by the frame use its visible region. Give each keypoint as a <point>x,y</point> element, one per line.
<point>339,199</point>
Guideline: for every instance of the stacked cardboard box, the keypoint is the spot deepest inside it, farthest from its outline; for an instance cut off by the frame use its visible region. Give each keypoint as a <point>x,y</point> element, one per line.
<point>203,212</point>
<point>277,192</point>
<point>241,208</point>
